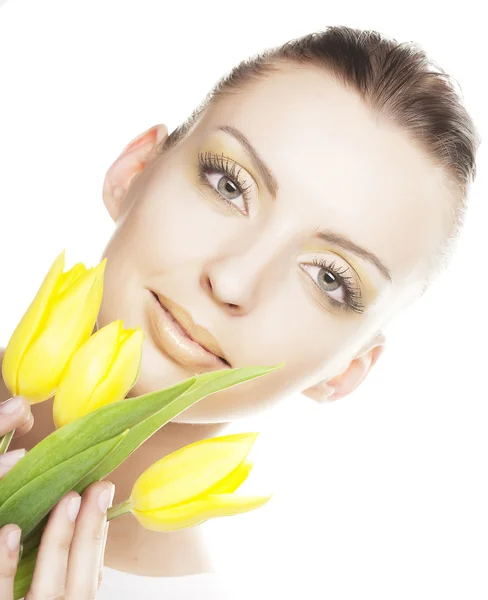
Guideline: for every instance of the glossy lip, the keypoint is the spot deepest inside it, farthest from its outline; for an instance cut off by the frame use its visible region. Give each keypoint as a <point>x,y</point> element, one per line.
<point>180,338</point>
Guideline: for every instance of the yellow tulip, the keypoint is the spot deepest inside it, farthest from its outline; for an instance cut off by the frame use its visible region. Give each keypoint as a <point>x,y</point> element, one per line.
<point>193,484</point>
<point>101,371</point>
<point>60,318</point>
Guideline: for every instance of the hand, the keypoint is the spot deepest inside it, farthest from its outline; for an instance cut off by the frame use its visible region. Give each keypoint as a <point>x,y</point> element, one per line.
<point>70,557</point>
<point>15,413</point>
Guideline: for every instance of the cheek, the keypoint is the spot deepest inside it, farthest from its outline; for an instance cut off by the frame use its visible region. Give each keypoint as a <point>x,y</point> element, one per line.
<point>175,223</point>
<point>289,328</point>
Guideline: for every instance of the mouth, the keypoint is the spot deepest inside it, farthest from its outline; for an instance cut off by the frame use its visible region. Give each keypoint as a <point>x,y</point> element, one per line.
<point>178,337</point>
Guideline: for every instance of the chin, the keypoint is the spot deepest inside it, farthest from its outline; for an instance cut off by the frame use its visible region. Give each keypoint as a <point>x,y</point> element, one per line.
<point>226,406</point>
<point>208,411</point>
<point>217,409</point>
<point>185,419</point>
<point>202,412</point>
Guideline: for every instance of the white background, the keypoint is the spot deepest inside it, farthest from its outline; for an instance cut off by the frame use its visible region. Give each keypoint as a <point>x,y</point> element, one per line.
<point>381,495</point>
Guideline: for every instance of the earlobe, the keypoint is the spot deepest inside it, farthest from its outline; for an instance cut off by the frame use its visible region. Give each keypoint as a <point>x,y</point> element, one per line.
<point>132,160</point>
<point>346,382</point>
<point>319,392</point>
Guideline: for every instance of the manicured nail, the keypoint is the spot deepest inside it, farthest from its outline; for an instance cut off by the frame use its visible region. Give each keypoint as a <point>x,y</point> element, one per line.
<point>13,539</point>
<point>11,458</point>
<point>10,406</point>
<point>105,498</point>
<point>74,508</point>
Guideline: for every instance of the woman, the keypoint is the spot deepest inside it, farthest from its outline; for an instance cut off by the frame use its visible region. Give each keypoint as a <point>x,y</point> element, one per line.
<point>315,192</point>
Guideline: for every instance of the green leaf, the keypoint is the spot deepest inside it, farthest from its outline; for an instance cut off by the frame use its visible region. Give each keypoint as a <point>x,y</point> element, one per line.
<point>51,464</point>
<point>209,383</point>
<point>32,502</point>
<point>74,438</point>
<point>5,441</point>
<point>205,384</point>
<point>25,571</point>
<point>33,539</point>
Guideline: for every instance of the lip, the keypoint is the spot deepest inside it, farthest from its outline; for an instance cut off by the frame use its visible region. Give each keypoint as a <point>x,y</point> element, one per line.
<point>180,338</point>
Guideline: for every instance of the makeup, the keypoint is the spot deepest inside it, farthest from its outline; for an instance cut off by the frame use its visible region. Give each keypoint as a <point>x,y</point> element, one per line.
<point>175,333</point>
<point>370,280</point>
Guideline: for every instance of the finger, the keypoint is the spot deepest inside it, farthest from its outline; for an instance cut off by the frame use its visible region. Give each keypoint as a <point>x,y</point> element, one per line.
<point>9,556</point>
<point>9,459</point>
<point>87,545</point>
<point>102,556</point>
<point>49,578</point>
<point>25,427</point>
<point>13,413</point>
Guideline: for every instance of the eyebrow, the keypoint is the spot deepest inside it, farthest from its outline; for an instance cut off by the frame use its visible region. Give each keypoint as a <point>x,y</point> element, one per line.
<point>272,185</point>
<point>347,244</point>
<point>261,166</point>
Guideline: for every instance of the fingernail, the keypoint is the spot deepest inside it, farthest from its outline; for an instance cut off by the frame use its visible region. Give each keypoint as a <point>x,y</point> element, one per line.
<point>105,498</point>
<point>74,508</point>
<point>11,458</point>
<point>13,539</point>
<point>10,406</point>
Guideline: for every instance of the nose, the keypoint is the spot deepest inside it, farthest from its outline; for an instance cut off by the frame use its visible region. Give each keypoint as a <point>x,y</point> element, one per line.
<point>238,279</point>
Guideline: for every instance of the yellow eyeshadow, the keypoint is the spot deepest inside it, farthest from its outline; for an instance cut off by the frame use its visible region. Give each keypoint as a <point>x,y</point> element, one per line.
<point>219,145</point>
<point>369,290</point>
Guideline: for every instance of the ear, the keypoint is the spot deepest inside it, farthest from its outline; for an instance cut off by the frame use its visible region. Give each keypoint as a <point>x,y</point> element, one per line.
<point>346,382</point>
<point>131,161</point>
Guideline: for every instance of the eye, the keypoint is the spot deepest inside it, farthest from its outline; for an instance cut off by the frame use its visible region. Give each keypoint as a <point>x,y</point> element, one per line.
<point>228,189</point>
<point>336,284</point>
<point>225,178</point>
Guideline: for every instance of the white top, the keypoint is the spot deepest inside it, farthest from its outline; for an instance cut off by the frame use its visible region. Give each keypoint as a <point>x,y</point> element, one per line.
<point>118,585</point>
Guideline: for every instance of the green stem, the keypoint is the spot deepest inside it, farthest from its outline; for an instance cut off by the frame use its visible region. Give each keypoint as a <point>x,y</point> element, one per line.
<point>5,441</point>
<point>32,542</point>
<point>25,571</point>
<point>119,509</point>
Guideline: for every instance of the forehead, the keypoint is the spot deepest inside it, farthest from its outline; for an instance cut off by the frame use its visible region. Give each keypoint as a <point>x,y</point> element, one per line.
<point>337,165</point>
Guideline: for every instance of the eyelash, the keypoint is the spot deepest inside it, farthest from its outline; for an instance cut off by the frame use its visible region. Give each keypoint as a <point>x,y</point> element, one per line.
<point>214,163</point>
<point>352,293</point>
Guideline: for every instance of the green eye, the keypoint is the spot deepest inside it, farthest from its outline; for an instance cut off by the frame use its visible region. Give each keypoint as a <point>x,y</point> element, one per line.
<point>335,284</point>
<point>227,188</point>
<point>224,177</point>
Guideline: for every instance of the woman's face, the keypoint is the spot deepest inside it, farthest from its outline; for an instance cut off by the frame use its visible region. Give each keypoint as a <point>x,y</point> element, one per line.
<point>283,228</point>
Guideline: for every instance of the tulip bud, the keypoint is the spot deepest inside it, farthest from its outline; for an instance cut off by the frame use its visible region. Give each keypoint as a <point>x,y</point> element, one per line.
<point>60,318</point>
<point>101,371</point>
<point>194,484</point>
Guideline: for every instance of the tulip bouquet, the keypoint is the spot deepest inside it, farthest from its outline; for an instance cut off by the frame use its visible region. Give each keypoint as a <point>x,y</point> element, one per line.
<point>54,352</point>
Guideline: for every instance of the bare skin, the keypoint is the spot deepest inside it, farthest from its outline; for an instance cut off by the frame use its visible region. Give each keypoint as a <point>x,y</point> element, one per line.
<point>248,272</point>
<point>130,547</point>
<point>70,557</point>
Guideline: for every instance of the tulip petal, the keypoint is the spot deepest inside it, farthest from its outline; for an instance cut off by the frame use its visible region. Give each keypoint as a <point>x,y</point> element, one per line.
<point>198,511</point>
<point>67,279</point>
<point>143,416</point>
<point>27,328</point>
<point>167,411</point>
<point>122,374</point>
<point>68,324</point>
<point>234,480</point>
<point>87,367</point>
<point>190,471</point>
